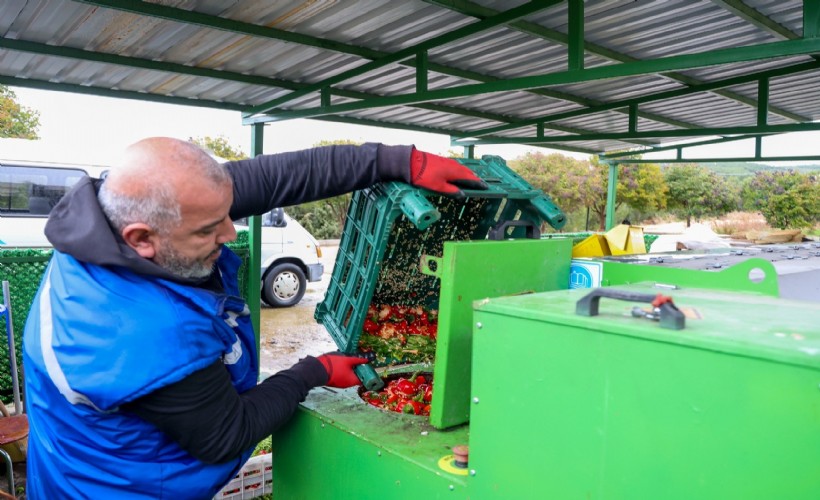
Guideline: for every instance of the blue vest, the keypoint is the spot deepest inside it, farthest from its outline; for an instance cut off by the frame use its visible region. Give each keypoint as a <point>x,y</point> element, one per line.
<point>98,337</point>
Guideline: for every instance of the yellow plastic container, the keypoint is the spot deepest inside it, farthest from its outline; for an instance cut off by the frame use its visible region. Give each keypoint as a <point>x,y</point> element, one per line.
<point>625,240</point>
<point>593,246</point>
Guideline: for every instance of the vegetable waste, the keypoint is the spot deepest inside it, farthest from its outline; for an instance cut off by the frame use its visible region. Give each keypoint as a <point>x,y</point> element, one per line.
<point>400,334</point>
<point>410,395</point>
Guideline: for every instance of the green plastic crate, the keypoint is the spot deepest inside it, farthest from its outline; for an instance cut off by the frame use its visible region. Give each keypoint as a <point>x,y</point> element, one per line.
<point>391,227</point>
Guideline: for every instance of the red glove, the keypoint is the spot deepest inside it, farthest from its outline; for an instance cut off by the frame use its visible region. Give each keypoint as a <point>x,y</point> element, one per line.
<point>442,175</point>
<point>339,369</point>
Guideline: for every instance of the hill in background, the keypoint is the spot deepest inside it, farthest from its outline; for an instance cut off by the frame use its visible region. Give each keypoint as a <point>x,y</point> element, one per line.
<point>744,169</point>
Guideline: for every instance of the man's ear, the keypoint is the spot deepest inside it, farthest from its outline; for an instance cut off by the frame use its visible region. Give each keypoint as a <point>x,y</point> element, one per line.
<point>141,238</point>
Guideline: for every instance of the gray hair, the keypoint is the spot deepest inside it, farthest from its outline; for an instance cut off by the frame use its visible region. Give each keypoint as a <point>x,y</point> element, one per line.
<point>157,207</point>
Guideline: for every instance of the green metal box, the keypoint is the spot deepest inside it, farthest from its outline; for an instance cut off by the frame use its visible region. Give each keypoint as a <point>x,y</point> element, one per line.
<point>614,406</point>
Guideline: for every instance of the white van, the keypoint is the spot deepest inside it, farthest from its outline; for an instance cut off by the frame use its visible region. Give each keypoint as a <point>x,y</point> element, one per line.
<point>28,191</point>
<point>290,257</point>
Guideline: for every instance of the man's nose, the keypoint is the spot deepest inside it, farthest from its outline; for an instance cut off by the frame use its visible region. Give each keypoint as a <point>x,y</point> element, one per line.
<point>228,232</point>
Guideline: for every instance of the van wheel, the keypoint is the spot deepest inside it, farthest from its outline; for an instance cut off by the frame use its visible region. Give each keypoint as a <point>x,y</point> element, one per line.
<point>284,285</point>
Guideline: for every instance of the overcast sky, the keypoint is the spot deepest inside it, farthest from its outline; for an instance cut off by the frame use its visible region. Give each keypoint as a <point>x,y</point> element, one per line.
<point>77,128</point>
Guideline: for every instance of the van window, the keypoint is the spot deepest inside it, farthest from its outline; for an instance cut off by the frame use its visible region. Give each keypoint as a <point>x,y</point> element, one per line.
<point>30,191</point>
<point>274,218</point>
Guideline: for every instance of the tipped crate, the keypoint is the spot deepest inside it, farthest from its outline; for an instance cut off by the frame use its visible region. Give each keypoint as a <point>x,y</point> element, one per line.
<point>391,228</point>
<point>253,480</point>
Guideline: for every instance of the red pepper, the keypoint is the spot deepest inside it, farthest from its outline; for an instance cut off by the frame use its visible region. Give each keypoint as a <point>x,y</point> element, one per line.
<point>420,380</point>
<point>405,387</point>
<point>428,393</point>
<point>410,407</point>
<point>370,326</point>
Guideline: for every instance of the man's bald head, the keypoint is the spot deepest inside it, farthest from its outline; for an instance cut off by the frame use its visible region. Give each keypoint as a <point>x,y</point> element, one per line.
<point>152,176</point>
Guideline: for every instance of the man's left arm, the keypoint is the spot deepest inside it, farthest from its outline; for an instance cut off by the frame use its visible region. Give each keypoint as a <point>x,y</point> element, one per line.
<point>285,179</point>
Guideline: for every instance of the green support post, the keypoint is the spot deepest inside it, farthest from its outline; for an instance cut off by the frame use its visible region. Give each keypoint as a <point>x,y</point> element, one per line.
<point>575,23</point>
<point>611,189</point>
<point>255,244</point>
<point>811,19</point>
<point>469,152</point>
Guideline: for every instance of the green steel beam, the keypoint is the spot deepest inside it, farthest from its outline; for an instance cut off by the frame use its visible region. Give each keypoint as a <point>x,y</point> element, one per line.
<point>669,94</point>
<point>575,27</point>
<point>457,34</point>
<point>763,101</point>
<point>224,75</point>
<point>133,62</point>
<point>230,25</point>
<point>255,244</point>
<point>677,147</point>
<point>811,19</point>
<point>660,65</point>
<point>421,71</point>
<point>768,159</point>
<point>564,147</point>
<point>471,9</point>
<point>437,130</point>
<point>619,136</point>
<point>118,94</point>
<point>743,11</point>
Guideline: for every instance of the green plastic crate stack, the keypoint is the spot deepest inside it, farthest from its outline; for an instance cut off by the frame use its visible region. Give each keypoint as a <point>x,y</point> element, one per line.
<point>391,227</point>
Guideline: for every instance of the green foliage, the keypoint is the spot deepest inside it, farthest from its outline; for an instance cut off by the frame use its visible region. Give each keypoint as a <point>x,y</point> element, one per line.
<point>324,219</point>
<point>695,191</point>
<point>744,170</point>
<point>16,121</point>
<point>220,147</point>
<point>577,185</point>
<point>569,182</point>
<point>787,199</point>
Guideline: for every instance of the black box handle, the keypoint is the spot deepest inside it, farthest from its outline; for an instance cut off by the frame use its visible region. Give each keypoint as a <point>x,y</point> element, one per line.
<point>497,232</point>
<point>668,314</point>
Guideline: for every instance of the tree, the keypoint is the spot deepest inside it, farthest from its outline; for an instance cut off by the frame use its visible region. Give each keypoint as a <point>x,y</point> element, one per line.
<point>787,199</point>
<point>220,147</point>
<point>16,121</point>
<point>576,184</point>
<point>640,185</point>
<point>695,191</point>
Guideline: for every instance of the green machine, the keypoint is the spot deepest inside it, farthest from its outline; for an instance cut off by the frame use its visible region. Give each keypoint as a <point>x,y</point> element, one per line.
<point>547,392</point>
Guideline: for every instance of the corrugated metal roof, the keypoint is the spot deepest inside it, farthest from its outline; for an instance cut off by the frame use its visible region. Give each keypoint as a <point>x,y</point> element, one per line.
<point>246,53</point>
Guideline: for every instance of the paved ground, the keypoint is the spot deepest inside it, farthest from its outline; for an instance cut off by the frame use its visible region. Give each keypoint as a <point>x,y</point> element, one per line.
<point>291,333</point>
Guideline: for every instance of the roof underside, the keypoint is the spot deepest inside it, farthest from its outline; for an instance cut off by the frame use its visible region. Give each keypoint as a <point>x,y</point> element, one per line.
<point>591,76</point>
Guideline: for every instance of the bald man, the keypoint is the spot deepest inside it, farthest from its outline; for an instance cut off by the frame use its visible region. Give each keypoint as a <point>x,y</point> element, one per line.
<point>140,358</point>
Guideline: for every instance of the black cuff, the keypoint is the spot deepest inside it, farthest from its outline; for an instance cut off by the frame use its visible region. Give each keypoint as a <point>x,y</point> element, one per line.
<point>394,162</point>
<point>312,371</point>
